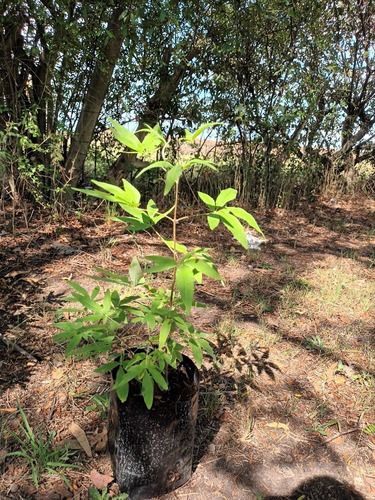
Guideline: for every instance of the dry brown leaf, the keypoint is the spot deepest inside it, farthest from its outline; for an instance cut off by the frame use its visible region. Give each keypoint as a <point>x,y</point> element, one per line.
<point>13,274</point>
<point>32,281</point>
<point>340,380</point>
<point>80,436</point>
<point>278,425</point>
<point>8,410</point>
<point>57,374</point>
<point>100,481</point>
<point>99,442</point>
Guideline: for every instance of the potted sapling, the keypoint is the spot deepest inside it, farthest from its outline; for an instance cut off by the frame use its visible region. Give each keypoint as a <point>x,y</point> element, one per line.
<point>154,397</point>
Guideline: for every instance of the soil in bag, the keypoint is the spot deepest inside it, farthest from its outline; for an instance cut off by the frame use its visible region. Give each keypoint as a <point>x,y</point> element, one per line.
<point>152,450</point>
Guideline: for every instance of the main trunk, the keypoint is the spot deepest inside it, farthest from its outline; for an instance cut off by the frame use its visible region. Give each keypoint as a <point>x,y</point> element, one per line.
<point>96,92</point>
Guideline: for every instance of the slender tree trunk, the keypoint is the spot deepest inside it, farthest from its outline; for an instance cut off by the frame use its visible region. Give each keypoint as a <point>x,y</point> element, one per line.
<point>155,108</point>
<point>96,93</point>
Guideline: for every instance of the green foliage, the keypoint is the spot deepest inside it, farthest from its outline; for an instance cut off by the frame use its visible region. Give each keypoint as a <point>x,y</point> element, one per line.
<point>39,452</point>
<point>315,343</point>
<point>163,311</point>
<point>95,494</point>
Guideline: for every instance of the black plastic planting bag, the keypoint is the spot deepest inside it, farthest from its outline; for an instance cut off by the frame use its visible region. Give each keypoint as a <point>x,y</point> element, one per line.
<point>152,450</point>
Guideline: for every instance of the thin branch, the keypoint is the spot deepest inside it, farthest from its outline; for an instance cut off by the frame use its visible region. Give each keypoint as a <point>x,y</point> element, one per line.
<point>18,348</point>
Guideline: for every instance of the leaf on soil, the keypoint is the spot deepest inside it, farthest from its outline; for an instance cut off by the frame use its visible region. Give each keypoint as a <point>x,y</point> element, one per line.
<point>13,274</point>
<point>80,436</point>
<point>278,425</point>
<point>340,380</point>
<point>9,410</point>
<point>57,374</point>
<point>99,442</point>
<point>100,481</point>
<point>32,281</point>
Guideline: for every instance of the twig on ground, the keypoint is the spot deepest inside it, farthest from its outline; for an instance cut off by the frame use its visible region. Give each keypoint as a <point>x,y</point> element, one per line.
<point>341,434</point>
<point>18,348</point>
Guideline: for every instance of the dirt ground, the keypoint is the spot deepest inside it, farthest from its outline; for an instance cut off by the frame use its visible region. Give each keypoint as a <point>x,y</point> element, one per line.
<point>289,413</point>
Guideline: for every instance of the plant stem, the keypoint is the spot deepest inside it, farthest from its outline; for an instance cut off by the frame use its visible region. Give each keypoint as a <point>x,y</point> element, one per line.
<point>174,239</point>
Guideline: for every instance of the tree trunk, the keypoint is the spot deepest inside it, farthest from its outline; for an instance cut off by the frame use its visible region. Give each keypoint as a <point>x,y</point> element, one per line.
<point>155,108</point>
<point>96,93</point>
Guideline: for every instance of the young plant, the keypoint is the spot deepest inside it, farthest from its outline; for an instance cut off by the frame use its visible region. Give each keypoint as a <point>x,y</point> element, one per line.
<point>163,311</point>
<point>39,452</point>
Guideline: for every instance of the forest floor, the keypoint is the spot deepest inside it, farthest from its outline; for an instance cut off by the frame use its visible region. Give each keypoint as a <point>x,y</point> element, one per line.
<point>288,415</point>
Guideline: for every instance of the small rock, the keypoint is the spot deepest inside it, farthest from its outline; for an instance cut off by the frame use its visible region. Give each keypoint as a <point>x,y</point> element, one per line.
<point>13,488</point>
<point>288,459</point>
<point>211,448</point>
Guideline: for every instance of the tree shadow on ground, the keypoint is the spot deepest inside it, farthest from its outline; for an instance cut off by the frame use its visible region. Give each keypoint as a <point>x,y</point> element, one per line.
<point>321,488</point>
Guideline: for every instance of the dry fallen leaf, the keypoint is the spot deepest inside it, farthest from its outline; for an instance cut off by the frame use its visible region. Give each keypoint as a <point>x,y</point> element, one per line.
<point>99,441</point>
<point>9,410</point>
<point>100,481</point>
<point>278,425</point>
<point>57,374</point>
<point>340,380</point>
<point>13,274</point>
<point>80,436</point>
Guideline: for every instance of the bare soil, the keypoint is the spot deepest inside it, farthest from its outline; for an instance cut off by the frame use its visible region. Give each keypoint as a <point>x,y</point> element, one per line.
<point>293,330</point>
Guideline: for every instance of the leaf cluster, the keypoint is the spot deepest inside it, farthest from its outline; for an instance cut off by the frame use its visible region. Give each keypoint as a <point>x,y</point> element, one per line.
<point>164,312</point>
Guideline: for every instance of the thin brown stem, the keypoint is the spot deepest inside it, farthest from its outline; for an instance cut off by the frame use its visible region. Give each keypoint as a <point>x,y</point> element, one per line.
<point>174,239</point>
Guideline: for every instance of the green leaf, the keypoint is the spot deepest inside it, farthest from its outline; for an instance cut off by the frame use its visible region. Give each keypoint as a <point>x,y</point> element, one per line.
<point>171,178</point>
<point>188,136</point>
<point>199,161</point>
<point>133,191</point>
<point>204,267</point>
<point>135,271</point>
<point>126,137</point>
<point>185,285</point>
<point>148,390</point>
<point>156,164</point>
<point>111,277</point>
<point>164,332</point>
<point>226,195</point>
<point>207,199</point>
<point>122,378</point>
<point>234,226</point>
<point>213,220</point>
<point>158,377</point>
<point>203,128</point>
<point>162,263</point>
<point>107,367</point>
<point>123,392</point>
<point>78,288</point>
<point>150,143</point>
<point>197,352</point>
<point>179,248</point>
<point>206,346</point>
<point>242,214</point>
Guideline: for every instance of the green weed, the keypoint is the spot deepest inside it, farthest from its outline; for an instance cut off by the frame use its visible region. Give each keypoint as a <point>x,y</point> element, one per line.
<point>315,343</point>
<point>39,453</point>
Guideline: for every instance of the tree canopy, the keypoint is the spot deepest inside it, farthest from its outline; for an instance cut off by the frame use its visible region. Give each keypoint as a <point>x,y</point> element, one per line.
<point>292,82</point>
